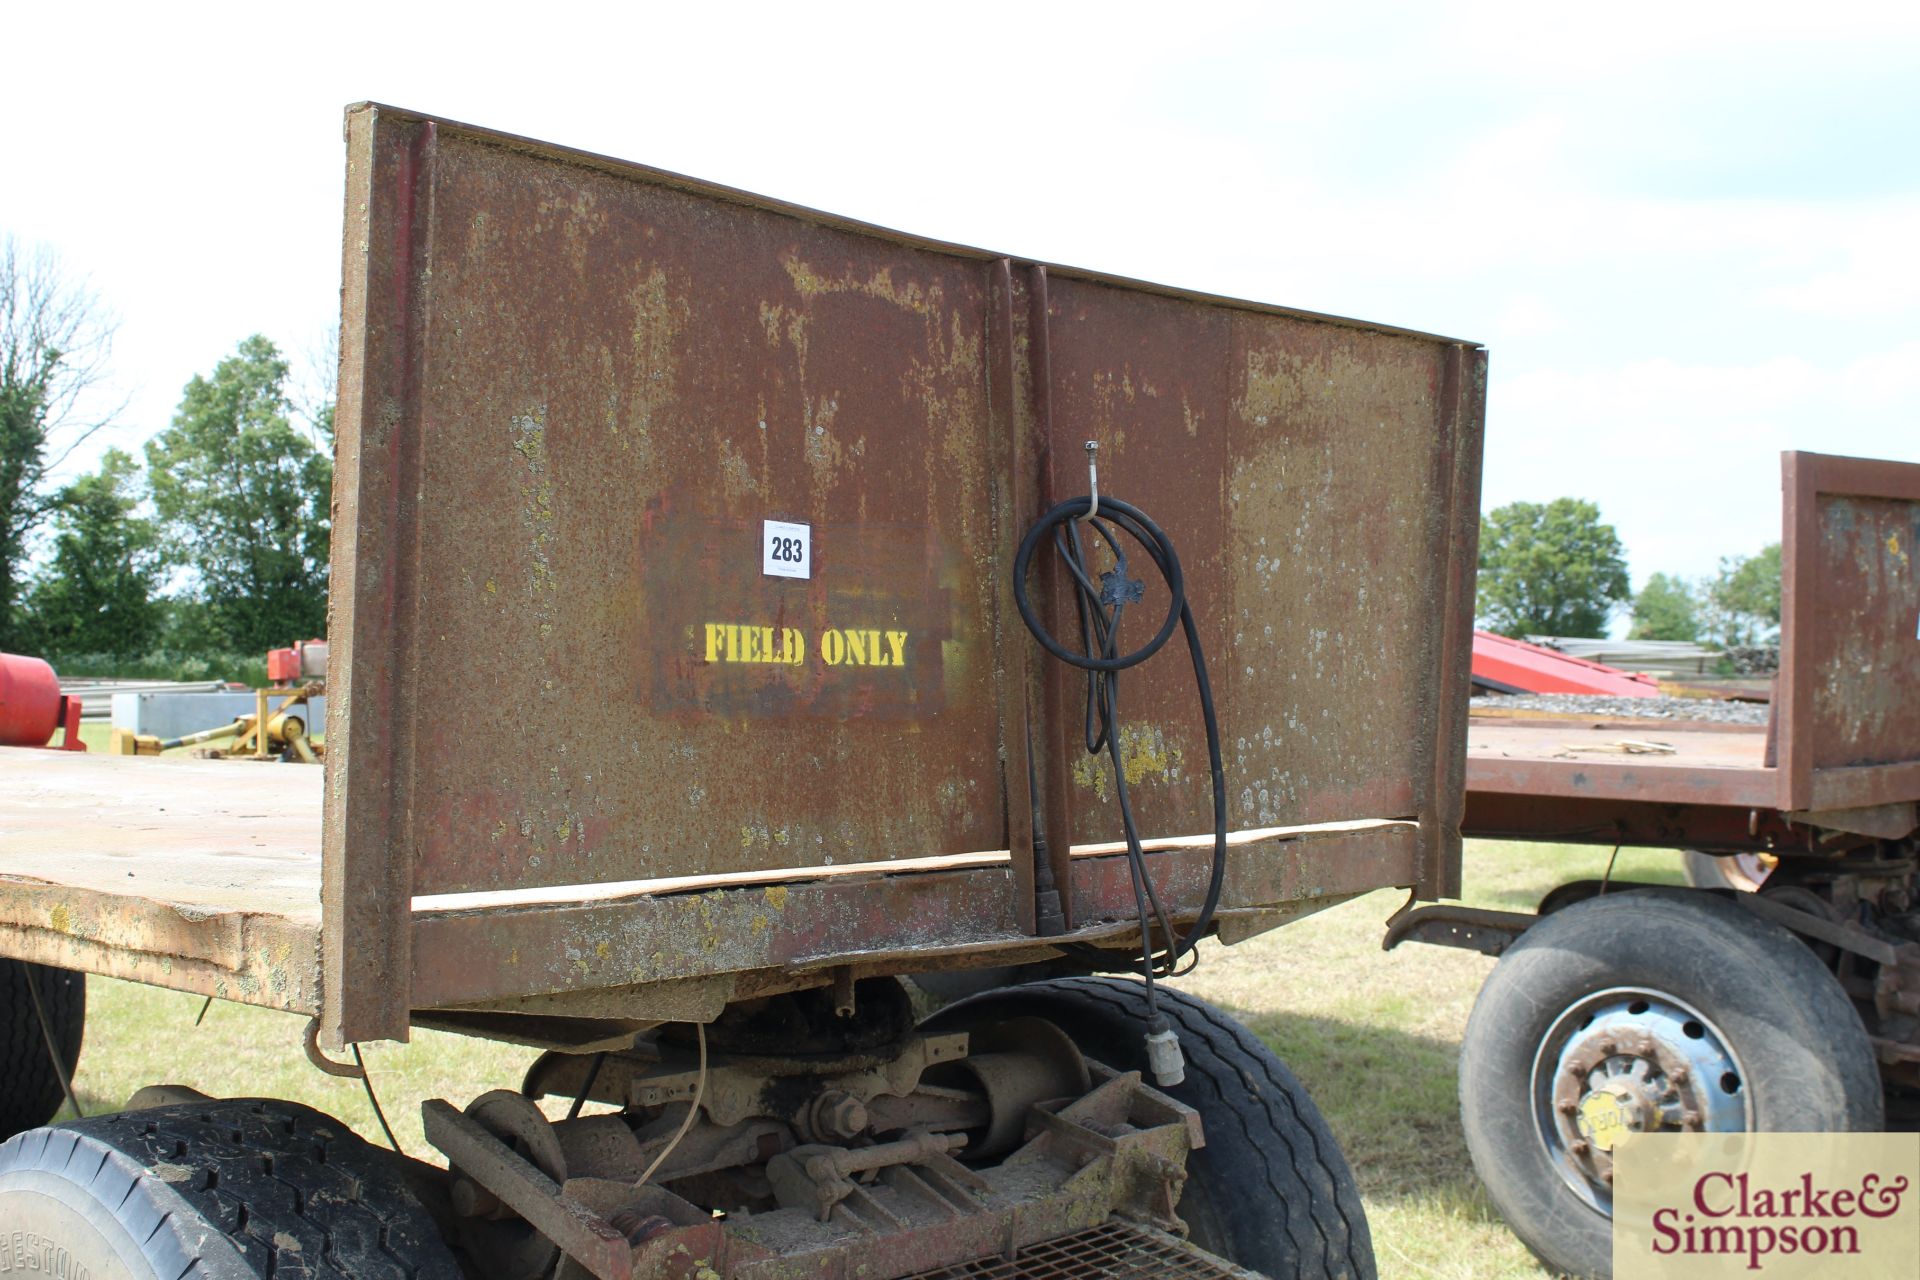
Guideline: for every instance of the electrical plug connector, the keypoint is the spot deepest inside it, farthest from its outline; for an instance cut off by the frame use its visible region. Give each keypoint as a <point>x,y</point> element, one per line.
<point>1164,1059</point>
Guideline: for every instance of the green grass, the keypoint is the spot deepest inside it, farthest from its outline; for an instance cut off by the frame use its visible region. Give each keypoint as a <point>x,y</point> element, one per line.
<point>1374,1036</point>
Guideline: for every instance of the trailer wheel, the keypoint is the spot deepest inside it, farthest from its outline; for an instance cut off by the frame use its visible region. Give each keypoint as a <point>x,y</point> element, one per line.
<point>30,1092</point>
<point>230,1190</point>
<point>1265,1138</point>
<point>1638,1011</point>
<point>1742,872</point>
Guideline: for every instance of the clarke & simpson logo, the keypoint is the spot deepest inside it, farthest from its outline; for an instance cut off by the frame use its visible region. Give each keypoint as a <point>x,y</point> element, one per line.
<point>1726,1215</point>
<point>1781,1205</point>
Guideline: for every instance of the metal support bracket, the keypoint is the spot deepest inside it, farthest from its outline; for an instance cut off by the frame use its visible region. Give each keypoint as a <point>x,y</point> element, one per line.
<point>1858,941</point>
<point>576,1230</point>
<point>1472,928</point>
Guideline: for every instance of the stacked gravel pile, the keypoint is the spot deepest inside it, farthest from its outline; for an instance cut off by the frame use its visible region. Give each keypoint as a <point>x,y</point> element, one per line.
<point>1754,659</point>
<point>1599,706</point>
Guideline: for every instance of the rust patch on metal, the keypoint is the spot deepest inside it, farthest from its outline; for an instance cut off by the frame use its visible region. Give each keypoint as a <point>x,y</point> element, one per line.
<point>1866,700</point>
<point>248,958</point>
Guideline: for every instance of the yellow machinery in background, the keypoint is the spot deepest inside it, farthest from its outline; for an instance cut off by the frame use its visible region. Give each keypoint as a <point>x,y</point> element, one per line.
<point>277,730</point>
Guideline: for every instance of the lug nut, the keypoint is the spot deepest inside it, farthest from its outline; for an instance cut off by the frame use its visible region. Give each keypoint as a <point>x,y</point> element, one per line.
<point>1580,1148</point>
<point>839,1115</point>
<point>1606,1176</point>
<point>1568,1108</point>
<point>1681,1075</point>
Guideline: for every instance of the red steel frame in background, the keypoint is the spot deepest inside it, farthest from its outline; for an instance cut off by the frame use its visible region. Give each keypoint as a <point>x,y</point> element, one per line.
<point>1514,666</point>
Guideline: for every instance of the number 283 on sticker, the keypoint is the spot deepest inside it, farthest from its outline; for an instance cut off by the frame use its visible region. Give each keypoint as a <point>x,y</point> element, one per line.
<point>786,550</point>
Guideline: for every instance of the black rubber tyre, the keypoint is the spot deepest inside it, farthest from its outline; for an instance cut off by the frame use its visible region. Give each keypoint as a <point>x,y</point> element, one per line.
<point>30,1092</point>
<point>948,986</point>
<point>1807,1064</point>
<point>1271,1190</point>
<point>228,1190</point>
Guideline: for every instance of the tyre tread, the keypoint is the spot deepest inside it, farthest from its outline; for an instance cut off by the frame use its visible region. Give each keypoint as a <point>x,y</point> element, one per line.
<point>1298,1158</point>
<point>296,1194</point>
<point>30,1092</point>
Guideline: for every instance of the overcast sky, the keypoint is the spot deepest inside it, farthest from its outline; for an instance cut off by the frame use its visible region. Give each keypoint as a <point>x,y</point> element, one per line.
<point>1689,233</point>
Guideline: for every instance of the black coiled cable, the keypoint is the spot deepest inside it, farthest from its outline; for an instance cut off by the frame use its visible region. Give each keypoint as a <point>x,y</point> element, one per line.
<point>1101,608</point>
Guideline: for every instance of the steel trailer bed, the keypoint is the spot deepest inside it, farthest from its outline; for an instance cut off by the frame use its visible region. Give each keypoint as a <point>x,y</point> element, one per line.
<point>1840,754</point>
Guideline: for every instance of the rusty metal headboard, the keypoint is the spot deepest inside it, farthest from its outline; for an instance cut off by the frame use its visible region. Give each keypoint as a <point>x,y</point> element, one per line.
<point>673,540</point>
<point>1848,716</point>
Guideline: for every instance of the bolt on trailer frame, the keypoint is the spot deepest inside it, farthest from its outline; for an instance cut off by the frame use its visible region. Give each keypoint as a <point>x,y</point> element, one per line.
<point>674,660</point>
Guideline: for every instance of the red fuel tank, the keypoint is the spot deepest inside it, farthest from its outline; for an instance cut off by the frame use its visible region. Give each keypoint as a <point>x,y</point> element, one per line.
<point>30,702</point>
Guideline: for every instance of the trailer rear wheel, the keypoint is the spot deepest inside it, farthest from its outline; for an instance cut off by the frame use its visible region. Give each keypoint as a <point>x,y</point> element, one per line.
<point>30,1092</point>
<point>229,1190</point>
<point>1641,1009</point>
<point>1264,1136</point>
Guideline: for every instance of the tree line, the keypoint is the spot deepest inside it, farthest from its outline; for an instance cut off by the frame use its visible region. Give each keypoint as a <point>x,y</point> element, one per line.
<point>190,560</point>
<point>1557,569</point>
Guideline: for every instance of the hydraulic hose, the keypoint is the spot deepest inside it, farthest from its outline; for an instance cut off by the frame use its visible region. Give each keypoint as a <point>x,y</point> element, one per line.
<point>1100,608</point>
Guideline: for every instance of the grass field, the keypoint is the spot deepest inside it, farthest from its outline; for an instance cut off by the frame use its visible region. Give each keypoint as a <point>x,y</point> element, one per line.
<point>1374,1036</point>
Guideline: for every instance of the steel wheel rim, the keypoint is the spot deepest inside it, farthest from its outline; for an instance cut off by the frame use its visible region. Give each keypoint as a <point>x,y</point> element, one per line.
<point>1656,1058</point>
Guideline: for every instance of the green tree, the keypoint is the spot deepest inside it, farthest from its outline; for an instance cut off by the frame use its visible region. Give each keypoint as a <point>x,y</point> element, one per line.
<point>1743,600</point>
<point>1665,609</point>
<point>97,592</point>
<point>54,343</point>
<point>244,499</point>
<point>1549,569</point>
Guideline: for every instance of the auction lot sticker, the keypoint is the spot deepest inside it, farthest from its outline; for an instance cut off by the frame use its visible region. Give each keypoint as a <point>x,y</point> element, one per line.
<point>1778,1205</point>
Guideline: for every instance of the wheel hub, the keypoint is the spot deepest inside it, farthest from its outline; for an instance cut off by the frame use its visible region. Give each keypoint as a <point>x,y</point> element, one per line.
<point>1621,1062</point>
<point>1614,1110</point>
